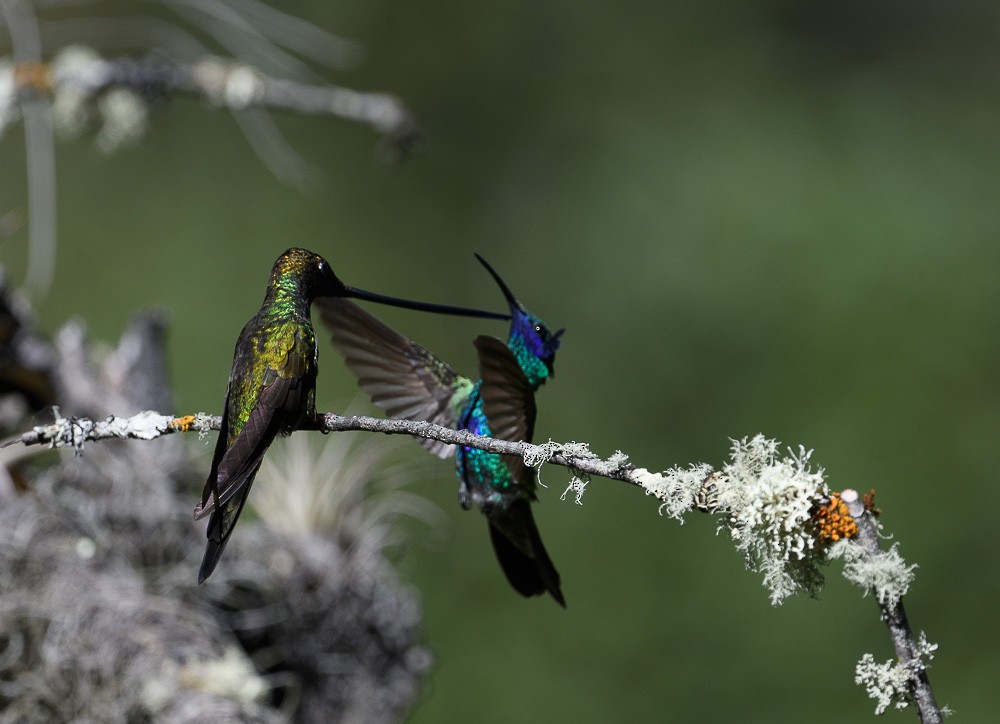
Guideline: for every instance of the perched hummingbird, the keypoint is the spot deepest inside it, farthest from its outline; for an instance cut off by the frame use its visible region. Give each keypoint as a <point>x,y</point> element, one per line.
<point>272,384</point>
<point>409,382</point>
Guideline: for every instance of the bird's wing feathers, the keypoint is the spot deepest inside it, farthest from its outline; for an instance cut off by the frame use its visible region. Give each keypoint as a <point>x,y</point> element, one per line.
<point>508,400</point>
<point>211,492</point>
<point>220,528</point>
<point>274,411</point>
<point>400,376</point>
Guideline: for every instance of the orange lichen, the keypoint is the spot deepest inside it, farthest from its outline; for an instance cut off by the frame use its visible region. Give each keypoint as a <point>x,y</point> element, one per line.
<point>833,520</point>
<point>869,500</point>
<point>33,75</point>
<point>182,424</point>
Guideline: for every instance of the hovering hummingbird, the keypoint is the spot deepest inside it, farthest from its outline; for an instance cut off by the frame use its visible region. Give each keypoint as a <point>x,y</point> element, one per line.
<point>409,382</point>
<point>272,384</point>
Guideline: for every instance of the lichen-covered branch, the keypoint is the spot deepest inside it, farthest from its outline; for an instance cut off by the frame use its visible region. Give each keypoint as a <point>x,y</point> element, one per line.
<point>26,45</point>
<point>55,81</point>
<point>75,431</point>
<point>906,679</point>
<point>778,510</point>
<point>79,76</point>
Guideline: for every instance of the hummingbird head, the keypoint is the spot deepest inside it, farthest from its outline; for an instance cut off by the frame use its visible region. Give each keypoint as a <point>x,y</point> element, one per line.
<point>530,340</point>
<point>306,273</point>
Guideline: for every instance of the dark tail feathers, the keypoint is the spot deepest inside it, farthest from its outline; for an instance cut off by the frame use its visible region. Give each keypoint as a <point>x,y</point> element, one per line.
<point>529,575</point>
<point>219,533</point>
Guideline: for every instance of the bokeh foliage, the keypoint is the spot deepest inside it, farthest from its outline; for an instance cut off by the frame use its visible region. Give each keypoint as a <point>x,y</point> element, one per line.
<point>775,218</point>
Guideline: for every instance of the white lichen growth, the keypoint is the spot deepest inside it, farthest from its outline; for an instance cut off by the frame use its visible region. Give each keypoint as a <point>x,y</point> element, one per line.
<point>578,486</point>
<point>8,95</point>
<point>678,488</point>
<point>124,119</point>
<point>890,683</point>
<point>145,425</point>
<point>229,85</point>
<point>579,450</point>
<point>885,683</point>
<point>886,574</point>
<point>79,66</point>
<point>76,74</point>
<point>537,455</point>
<point>769,503</point>
<point>244,87</point>
<point>203,424</point>
<point>80,99</point>
<point>618,461</point>
<point>210,74</point>
<point>73,432</point>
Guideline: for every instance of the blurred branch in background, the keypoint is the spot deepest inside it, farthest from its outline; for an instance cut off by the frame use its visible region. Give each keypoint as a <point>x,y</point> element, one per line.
<point>34,108</point>
<point>270,67</point>
<point>780,513</point>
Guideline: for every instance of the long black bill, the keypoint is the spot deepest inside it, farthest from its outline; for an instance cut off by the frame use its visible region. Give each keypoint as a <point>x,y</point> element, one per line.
<point>423,306</point>
<point>508,295</point>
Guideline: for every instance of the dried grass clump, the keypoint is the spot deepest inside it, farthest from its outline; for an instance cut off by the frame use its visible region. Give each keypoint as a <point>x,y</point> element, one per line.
<point>100,615</point>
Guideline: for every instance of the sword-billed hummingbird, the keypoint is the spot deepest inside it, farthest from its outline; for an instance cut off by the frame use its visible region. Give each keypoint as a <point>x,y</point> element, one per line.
<point>272,384</point>
<point>409,382</point>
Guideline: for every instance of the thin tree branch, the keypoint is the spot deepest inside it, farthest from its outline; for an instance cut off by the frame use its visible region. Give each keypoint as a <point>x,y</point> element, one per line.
<point>75,431</point>
<point>225,83</point>
<point>894,616</point>
<point>810,522</point>
<point>25,39</point>
<point>586,463</point>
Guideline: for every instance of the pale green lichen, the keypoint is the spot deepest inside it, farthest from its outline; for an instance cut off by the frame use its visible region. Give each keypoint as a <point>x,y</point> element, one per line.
<point>885,574</point>
<point>145,425</point>
<point>769,503</point>
<point>580,450</point>
<point>537,455</point>
<point>124,119</point>
<point>203,424</point>
<point>678,488</point>
<point>80,99</point>
<point>76,71</point>
<point>578,486</point>
<point>891,682</point>
<point>245,87</point>
<point>578,483</point>
<point>617,461</point>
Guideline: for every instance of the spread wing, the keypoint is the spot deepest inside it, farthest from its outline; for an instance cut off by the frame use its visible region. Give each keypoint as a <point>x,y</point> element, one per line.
<point>508,400</point>
<point>400,376</point>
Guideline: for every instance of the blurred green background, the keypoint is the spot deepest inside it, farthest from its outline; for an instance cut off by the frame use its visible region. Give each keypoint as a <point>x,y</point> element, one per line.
<point>776,218</point>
